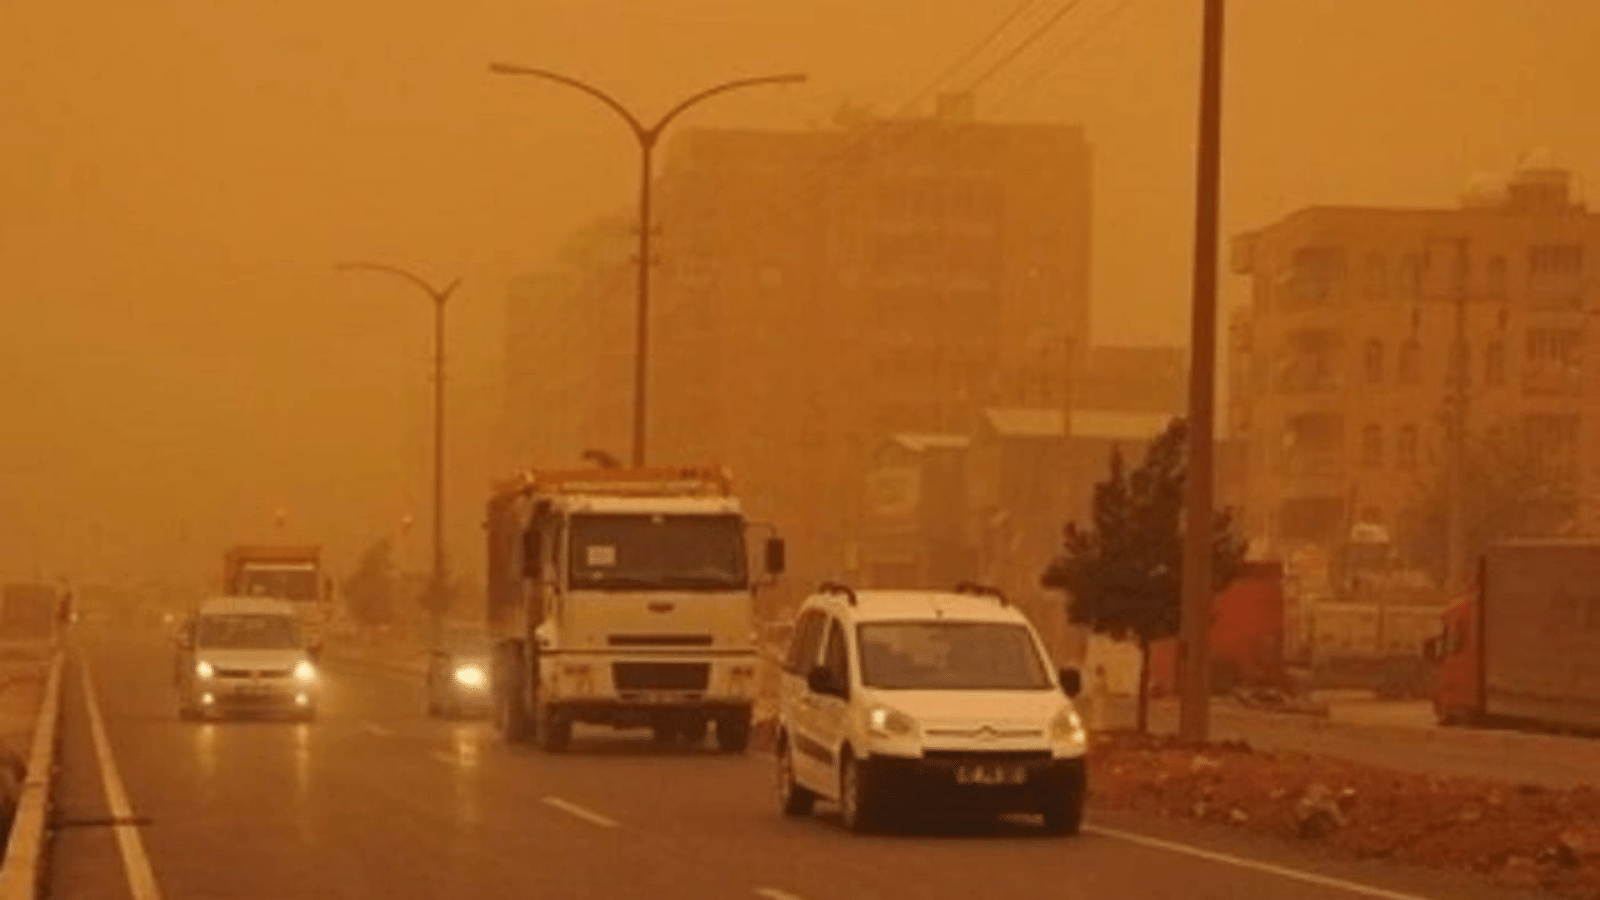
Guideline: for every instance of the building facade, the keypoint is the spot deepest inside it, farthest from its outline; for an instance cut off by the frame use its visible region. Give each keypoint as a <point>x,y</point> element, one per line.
<point>1345,388</point>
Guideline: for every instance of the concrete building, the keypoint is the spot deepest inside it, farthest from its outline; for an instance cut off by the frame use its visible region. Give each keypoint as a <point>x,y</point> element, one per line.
<point>1342,372</point>
<point>821,291</point>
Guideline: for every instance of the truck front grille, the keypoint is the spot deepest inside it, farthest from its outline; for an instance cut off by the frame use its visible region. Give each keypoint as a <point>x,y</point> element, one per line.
<point>661,676</point>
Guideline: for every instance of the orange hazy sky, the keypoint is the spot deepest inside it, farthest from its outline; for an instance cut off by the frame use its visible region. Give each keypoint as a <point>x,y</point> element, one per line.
<point>178,360</point>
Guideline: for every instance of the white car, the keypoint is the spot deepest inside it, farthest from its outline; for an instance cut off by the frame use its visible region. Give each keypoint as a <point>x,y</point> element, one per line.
<point>896,699</point>
<point>245,654</point>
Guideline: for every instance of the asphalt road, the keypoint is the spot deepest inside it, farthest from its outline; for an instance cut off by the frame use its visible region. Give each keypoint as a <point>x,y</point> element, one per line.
<point>376,801</point>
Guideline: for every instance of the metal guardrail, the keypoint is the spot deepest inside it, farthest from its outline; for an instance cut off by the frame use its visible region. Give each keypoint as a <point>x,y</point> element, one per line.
<point>24,853</point>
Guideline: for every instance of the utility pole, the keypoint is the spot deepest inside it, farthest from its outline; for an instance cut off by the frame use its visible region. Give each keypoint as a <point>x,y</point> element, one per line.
<point>648,136</point>
<point>1194,711</point>
<point>1460,391</point>
<point>438,584</point>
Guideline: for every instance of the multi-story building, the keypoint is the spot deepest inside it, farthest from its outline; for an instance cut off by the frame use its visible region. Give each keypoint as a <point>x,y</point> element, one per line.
<point>820,291</point>
<point>1343,380</point>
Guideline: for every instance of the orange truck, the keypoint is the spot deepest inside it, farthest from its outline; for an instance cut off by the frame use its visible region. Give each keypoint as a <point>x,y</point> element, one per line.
<point>1523,650</point>
<point>282,572</point>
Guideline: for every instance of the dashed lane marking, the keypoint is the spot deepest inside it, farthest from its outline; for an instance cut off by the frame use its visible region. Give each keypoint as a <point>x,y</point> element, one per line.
<point>379,730</point>
<point>1327,881</point>
<point>775,894</point>
<point>135,863</point>
<point>573,809</point>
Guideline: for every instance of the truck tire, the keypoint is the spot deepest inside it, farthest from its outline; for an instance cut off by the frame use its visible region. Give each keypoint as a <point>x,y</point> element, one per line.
<point>733,732</point>
<point>555,730</point>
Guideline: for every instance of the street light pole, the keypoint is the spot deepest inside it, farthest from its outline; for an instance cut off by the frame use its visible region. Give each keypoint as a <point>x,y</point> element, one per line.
<point>439,296</point>
<point>647,136</point>
<point>1194,711</point>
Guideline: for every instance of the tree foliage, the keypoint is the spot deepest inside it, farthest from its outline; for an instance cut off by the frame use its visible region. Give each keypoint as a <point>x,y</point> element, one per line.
<point>369,591</point>
<point>1514,489</point>
<point>1123,572</point>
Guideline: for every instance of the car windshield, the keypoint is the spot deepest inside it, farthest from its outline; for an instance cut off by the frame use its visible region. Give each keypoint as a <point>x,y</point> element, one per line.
<point>247,632</point>
<point>950,656</point>
<point>661,552</point>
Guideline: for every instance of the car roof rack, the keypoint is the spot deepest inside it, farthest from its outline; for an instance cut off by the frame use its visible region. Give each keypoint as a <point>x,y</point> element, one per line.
<point>972,588</point>
<point>834,587</point>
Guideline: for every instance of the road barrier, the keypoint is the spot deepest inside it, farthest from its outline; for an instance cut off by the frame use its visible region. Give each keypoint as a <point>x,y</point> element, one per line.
<point>20,872</point>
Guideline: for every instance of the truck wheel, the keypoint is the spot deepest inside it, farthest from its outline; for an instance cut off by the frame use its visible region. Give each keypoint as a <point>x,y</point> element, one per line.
<point>511,718</point>
<point>733,732</point>
<point>555,730</point>
<point>693,731</point>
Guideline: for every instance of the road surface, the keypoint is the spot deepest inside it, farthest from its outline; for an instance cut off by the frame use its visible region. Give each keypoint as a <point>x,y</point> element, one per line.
<point>376,801</point>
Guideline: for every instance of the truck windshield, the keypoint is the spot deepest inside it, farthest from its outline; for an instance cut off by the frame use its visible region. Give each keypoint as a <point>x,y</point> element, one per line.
<point>247,632</point>
<point>950,656</point>
<point>281,582</point>
<point>619,552</point>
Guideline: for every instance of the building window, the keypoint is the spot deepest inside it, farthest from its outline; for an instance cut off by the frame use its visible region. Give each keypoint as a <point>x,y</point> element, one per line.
<point>1375,280</point>
<point>1372,358</point>
<point>1555,275</point>
<point>1372,446</point>
<point>1410,364</point>
<point>1497,278</point>
<point>1405,449</point>
<point>1494,364</point>
<point>1411,276</point>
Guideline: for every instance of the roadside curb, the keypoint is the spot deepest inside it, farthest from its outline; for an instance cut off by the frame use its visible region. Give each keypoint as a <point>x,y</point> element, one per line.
<point>25,851</point>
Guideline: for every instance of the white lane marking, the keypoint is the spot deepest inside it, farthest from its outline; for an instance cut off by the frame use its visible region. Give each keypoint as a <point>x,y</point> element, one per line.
<point>141,878</point>
<point>377,729</point>
<point>775,894</point>
<point>574,809</point>
<point>1327,881</point>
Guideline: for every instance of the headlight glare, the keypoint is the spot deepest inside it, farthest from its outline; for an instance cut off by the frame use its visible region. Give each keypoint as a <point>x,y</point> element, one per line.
<point>471,676</point>
<point>886,722</point>
<point>204,669</point>
<point>305,671</point>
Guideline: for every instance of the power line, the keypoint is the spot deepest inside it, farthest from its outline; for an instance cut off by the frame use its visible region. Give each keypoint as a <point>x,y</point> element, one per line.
<point>972,52</point>
<point>1038,34</point>
<point>1093,31</point>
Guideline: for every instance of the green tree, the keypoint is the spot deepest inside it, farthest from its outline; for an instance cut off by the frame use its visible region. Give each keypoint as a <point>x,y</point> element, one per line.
<point>369,591</point>
<point>1123,572</point>
<point>1515,489</point>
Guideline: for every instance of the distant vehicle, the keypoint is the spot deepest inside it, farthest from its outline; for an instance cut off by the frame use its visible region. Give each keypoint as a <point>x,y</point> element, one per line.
<point>292,573</point>
<point>457,680</point>
<point>896,699</point>
<point>623,597</point>
<point>1524,651</point>
<point>242,654</point>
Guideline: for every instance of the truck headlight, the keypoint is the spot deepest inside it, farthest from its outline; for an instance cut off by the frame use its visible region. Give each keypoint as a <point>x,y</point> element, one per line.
<point>1067,728</point>
<point>305,671</point>
<point>885,722</point>
<point>470,676</point>
<point>204,669</point>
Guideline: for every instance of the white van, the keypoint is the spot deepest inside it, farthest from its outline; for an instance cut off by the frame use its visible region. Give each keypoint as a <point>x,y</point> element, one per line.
<point>245,654</point>
<point>895,699</point>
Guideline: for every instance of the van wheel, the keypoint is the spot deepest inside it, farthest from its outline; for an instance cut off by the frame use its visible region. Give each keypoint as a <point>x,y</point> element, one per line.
<point>1063,805</point>
<point>858,802</point>
<point>793,799</point>
<point>555,730</point>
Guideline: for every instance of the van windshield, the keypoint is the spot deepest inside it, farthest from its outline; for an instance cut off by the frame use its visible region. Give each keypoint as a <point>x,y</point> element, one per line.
<point>247,632</point>
<point>950,656</point>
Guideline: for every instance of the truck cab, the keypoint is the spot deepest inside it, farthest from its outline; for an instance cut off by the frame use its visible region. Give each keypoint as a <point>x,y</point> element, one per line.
<point>624,598</point>
<point>1457,697</point>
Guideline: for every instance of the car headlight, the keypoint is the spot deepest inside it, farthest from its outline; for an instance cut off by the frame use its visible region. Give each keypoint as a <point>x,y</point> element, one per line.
<point>204,669</point>
<point>305,671</point>
<point>471,676</point>
<point>1067,728</point>
<point>885,722</point>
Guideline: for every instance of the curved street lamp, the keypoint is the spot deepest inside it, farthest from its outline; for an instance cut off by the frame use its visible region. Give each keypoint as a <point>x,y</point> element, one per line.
<point>647,136</point>
<point>439,296</point>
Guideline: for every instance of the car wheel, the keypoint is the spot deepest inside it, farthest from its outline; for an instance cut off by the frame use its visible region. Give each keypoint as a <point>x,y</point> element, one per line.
<point>793,799</point>
<point>858,802</point>
<point>1063,808</point>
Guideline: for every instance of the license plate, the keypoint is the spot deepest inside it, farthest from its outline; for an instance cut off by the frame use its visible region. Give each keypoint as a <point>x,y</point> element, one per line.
<point>991,775</point>
<point>656,697</point>
<point>256,690</point>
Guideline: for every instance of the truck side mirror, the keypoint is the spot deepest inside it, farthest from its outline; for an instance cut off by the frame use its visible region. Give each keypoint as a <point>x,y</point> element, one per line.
<point>776,556</point>
<point>532,562</point>
<point>1071,683</point>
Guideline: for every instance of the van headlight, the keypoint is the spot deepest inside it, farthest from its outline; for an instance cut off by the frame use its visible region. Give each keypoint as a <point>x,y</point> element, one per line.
<point>470,676</point>
<point>203,669</point>
<point>305,671</point>
<point>885,722</point>
<point>1067,728</point>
